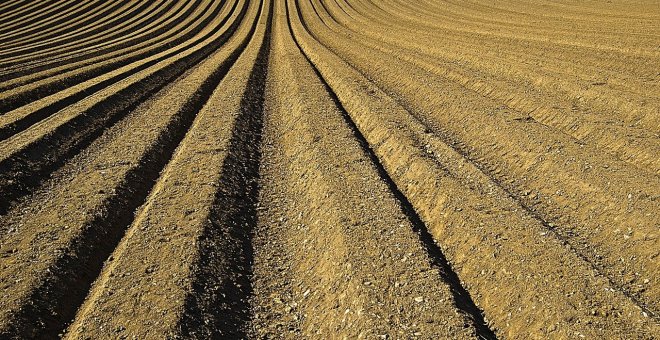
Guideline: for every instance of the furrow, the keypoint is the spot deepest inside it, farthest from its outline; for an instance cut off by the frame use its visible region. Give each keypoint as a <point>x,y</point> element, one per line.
<point>481,233</point>
<point>26,90</point>
<point>123,24</point>
<point>200,213</point>
<point>60,13</point>
<point>29,156</point>
<point>118,16</point>
<point>600,87</point>
<point>9,6</point>
<point>633,145</point>
<point>99,45</point>
<point>333,242</point>
<point>25,19</point>
<point>329,169</point>
<point>83,223</point>
<point>572,195</point>
<point>69,22</point>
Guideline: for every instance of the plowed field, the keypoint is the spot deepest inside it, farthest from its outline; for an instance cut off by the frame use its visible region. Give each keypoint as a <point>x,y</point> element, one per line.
<point>392,169</point>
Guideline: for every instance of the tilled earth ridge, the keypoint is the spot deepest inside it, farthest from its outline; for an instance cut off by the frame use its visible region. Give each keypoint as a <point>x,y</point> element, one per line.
<point>329,169</point>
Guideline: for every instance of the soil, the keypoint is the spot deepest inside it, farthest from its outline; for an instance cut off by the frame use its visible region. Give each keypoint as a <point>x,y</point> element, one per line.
<point>329,169</point>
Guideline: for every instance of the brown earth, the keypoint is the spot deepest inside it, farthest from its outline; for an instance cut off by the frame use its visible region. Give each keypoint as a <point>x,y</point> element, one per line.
<point>329,169</point>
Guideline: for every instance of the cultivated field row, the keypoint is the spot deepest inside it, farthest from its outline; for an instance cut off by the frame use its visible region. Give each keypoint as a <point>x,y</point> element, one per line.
<point>329,169</point>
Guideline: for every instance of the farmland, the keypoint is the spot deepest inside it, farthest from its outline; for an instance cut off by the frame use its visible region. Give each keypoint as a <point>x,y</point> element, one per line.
<point>389,169</point>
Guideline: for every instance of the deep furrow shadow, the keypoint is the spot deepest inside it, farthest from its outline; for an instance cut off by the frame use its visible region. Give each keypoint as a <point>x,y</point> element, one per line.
<point>219,303</point>
<point>26,97</point>
<point>53,305</point>
<point>21,173</point>
<point>461,296</point>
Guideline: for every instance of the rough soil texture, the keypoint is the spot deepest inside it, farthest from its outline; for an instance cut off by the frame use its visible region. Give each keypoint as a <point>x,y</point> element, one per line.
<point>329,169</point>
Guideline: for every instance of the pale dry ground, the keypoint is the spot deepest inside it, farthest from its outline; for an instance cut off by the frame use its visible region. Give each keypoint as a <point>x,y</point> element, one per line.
<point>329,169</point>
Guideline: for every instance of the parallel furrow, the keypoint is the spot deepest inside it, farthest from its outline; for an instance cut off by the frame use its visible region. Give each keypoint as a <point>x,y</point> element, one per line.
<point>561,196</point>
<point>121,15</point>
<point>321,169</point>
<point>39,150</point>
<point>630,144</point>
<point>177,17</point>
<point>54,15</point>
<point>186,27</point>
<point>199,212</point>
<point>442,201</point>
<point>89,222</point>
<point>36,8</point>
<point>333,242</point>
<point>97,36</point>
<point>71,21</point>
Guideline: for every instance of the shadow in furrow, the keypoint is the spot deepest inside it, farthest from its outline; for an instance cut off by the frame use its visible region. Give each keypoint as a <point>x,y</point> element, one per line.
<point>33,95</point>
<point>72,23</point>
<point>22,172</point>
<point>461,296</point>
<point>461,149</point>
<point>26,97</point>
<point>53,305</point>
<point>14,7</point>
<point>219,303</point>
<point>32,16</point>
<point>19,50</point>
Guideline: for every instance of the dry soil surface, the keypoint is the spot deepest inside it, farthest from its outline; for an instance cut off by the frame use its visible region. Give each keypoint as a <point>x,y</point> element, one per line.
<point>390,169</point>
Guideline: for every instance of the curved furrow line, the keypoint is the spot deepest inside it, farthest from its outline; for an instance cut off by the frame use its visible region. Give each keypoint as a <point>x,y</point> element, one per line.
<point>581,91</point>
<point>214,144</point>
<point>441,200</point>
<point>130,18</point>
<point>78,73</point>
<point>176,20</point>
<point>34,7</point>
<point>9,6</point>
<point>537,52</point>
<point>53,30</point>
<point>29,156</point>
<point>516,23</point>
<point>564,195</point>
<point>64,50</point>
<point>293,169</point>
<point>627,144</point>
<point>558,14</point>
<point>600,68</point>
<point>624,142</point>
<point>62,25</point>
<point>90,53</point>
<point>122,19</point>
<point>122,14</point>
<point>605,47</point>
<point>93,227</point>
<point>36,108</point>
<point>345,8</point>
<point>139,20</point>
<point>33,20</point>
<point>36,93</point>
<point>466,15</point>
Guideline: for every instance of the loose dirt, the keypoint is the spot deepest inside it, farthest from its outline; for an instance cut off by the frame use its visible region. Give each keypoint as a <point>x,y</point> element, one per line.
<point>329,169</point>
